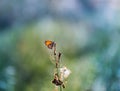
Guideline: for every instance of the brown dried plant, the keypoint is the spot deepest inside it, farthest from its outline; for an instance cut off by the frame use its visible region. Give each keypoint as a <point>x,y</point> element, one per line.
<point>60,72</point>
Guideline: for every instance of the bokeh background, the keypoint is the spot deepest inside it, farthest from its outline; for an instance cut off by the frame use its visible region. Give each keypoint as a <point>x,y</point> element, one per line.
<point>87,32</point>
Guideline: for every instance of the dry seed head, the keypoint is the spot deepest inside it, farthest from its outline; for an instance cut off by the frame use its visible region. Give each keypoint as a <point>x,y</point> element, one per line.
<point>64,73</point>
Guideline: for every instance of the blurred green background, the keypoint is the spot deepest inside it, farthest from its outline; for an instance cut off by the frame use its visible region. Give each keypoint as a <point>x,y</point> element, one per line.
<point>87,32</point>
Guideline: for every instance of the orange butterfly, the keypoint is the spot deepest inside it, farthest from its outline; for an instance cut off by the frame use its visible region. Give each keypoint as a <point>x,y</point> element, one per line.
<point>49,44</point>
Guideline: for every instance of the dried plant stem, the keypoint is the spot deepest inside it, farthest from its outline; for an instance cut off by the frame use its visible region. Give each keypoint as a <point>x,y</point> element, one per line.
<point>57,60</point>
<point>61,72</point>
<point>61,88</point>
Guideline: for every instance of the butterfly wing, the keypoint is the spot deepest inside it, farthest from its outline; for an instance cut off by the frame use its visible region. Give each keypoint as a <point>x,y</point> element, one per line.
<point>49,44</point>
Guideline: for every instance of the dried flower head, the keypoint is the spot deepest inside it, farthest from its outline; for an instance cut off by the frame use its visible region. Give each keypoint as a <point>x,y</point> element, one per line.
<point>64,73</point>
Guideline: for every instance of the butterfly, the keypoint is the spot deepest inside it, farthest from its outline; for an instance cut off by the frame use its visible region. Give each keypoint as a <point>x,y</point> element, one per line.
<point>50,44</point>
